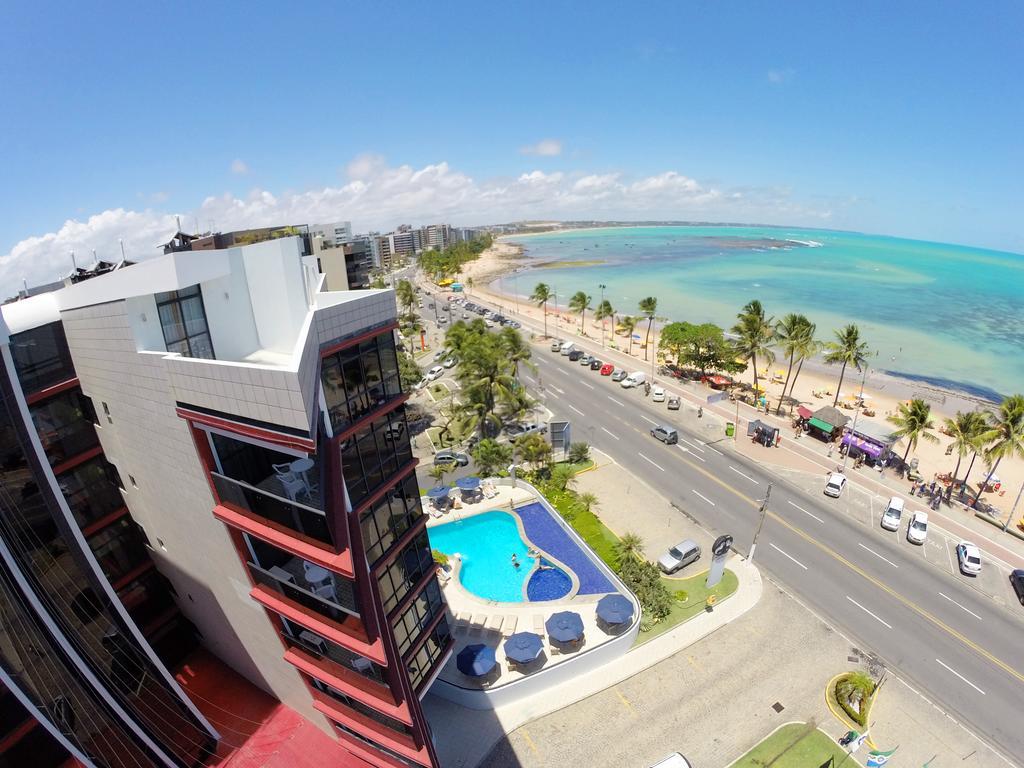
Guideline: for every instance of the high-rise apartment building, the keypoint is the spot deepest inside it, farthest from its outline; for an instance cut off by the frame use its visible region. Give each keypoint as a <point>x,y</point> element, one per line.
<point>253,426</point>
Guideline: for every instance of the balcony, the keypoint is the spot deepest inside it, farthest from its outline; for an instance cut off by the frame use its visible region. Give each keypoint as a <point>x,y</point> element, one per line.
<point>262,501</point>
<point>297,636</point>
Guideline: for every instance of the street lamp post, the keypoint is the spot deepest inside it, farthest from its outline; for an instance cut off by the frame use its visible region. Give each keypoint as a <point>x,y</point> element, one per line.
<point>600,306</point>
<point>856,414</point>
<point>760,523</point>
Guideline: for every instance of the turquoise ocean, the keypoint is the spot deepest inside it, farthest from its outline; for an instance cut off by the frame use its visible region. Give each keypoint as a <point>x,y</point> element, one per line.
<point>948,315</point>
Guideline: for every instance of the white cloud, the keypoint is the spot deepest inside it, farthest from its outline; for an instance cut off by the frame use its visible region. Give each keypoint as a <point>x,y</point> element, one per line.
<point>381,196</point>
<point>239,167</point>
<point>543,148</point>
<point>780,76</point>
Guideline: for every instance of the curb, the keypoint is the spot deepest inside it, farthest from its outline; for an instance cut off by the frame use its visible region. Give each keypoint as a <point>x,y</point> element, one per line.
<point>842,717</point>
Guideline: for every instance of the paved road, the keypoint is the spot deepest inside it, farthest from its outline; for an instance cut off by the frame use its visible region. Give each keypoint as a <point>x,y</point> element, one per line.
<point>930,627</point>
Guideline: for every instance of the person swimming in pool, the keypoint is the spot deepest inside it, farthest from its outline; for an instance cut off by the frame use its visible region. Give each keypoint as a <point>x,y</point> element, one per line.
<point>515,560</point>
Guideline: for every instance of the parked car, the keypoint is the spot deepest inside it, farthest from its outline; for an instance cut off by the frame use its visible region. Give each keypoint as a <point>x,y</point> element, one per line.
<point>586,360</point>
<point>835,484</point>
<point>450,362</point>
<point>1017,582</point>
<point>635,379</point>
<point>444,308</point>
<point>667,435</point>
<point>595,364</point>
<point>917,531</point>
<point>892,514</point>
<point>575,355</point>
<point>515,324</point>
<point>674,402</point>
<point>969,557</point>
<point>556,345</point>
<point>657,395</point>
<point>434,373</point>
<point>619,374</point>
<point>451,458</point>
<point>679,556</point>
<point>465,315</point>
<point>607,369</point>
<point>420,385</point>
<point>517,430</point>
<point>442,320</point>
<point>567,347</point>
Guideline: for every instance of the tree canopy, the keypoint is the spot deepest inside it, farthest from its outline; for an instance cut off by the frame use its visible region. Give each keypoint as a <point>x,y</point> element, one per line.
<point>448,263</point>
<point>703,347</point>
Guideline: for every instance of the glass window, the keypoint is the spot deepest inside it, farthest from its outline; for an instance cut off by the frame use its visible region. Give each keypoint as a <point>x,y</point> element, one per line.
<point>405,571</point>
<point>417,617</point>
<point>374,745</point>
<point>118,549</point>
<point>65,424</point>
<point>386,521</point>
<point>295,634</point>
<point>360,379</point>
<point>183,321</point>
<point>373,454</point>
<point>363,709</point>
<point>41,357</point>
<point>92,490</point>
<point>422,665</point>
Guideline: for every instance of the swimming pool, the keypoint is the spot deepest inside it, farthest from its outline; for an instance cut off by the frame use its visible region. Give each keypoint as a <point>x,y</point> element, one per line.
<point>486,543</point>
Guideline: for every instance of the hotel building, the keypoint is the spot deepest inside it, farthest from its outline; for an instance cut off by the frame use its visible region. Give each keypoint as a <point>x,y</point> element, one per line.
<point>210,447</point>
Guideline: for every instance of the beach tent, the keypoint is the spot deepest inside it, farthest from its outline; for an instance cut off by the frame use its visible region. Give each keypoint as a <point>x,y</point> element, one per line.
<point>875,432</point>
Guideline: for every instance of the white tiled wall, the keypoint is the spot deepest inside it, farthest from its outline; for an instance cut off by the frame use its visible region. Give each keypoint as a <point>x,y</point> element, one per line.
<point>147,441</point>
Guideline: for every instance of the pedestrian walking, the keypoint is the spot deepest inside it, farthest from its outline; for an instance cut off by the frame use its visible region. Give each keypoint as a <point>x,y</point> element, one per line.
<point>830,447</point>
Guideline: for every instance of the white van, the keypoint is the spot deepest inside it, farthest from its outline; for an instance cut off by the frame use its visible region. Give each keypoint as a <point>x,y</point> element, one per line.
<point>635,379</point>
<point>567,348</point>
<point>892,514</point>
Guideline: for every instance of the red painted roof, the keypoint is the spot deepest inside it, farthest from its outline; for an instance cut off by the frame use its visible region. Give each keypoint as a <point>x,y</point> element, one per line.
<point>257,731</point>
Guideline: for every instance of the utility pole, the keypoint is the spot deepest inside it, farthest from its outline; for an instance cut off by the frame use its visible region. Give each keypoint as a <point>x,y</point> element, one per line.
<point>1009,518</point>
<point>602,286</point>
<point>760,523</point>
<point>860,399</point>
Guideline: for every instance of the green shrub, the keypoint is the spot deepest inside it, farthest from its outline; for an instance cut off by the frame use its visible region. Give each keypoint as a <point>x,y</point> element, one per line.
<point>439,557</point>
<point>579,453</point>
<point>680,595</point>
<point>644,580</point>
<point>853,691</point>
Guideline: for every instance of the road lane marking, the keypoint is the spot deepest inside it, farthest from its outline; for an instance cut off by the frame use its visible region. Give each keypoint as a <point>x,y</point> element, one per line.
<point>559,391</point>
<point>624,700</point>
<point>954,602</point>
<point>581,413</point>
<point>786,554</point>
<point>693,445</point>
<point>588,386</point>
<point>684,449</point>
<point>961,677</point>
<point>708,446</point>
<point>617,402</point>
<point>609,433</point>
<point>562,371</point>
<point>804,511</point>
<point>649,421</point>
<point>890,562</point>
<point>869,613</point>
<point>756,504</point>
<point>698,493</point>
<point>649,461</point>
<point>743,475</point>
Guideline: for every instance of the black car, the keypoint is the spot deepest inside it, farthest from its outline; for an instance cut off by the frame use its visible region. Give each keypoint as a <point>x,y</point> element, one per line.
<point>1017,582</point>
<point>575,355</point>
<point>595,364</point>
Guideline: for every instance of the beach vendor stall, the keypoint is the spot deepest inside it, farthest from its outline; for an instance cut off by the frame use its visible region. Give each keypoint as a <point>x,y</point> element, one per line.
<point>762,433</point>
<point>827,423</point>
<point>872,440</point>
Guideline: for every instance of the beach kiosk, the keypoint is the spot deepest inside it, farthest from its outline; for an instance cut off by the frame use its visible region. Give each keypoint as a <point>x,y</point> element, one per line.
<point>827,423</point>
<point>870,438</point>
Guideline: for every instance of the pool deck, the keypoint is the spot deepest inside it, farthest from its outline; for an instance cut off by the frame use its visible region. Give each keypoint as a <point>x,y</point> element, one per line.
<point>476,620</point>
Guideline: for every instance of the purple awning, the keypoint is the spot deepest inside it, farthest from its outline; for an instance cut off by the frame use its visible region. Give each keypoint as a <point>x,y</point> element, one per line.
<point>871,449</point>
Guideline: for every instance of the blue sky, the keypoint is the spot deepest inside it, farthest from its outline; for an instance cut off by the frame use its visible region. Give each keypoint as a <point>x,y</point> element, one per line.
<point>900,118</point>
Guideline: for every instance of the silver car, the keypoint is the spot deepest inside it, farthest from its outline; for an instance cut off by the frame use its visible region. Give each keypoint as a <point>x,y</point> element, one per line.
<point>679,556</point>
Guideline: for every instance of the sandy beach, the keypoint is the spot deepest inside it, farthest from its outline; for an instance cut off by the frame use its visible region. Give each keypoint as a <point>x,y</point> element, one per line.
<point>882,392</point>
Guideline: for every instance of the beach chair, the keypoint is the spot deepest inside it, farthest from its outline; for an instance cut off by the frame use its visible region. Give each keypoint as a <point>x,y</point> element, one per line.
<point>476,626</point>
<point>462,621</point>
<point>538,625</point>
<point>489,491</point>
<point>494,623</point>
<point>509,627</point>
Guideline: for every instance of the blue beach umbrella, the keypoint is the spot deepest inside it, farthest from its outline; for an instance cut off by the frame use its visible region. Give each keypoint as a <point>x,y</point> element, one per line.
<point>564,626</point>
<point>614,609</point>
<point>468,483</point>
<point>523,647</point>
<point>476,660</point>
<point>440,492</point>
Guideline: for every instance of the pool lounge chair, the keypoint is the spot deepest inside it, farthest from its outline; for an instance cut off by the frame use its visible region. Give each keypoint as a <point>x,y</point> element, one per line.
<point>538,625</point>
<point>494,623</point>
<point>476,626</point>
<point>489,491</point>
<point>509,627</point>
<point>462,621</point>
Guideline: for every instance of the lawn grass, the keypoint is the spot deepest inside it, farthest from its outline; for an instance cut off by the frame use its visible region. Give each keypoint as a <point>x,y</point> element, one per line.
<point>797,745</point>
<point>434,433</point>
<point>696,597</point>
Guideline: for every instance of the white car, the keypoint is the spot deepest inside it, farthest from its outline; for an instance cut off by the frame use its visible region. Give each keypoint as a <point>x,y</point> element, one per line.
<point>834,486</point>
<point>892,514</point>
<point>657,395</point>
<point>917,531</point>
<point>450,362</point>
<point>434,373</point>
<point>969,557</point>
<point>420,384</point>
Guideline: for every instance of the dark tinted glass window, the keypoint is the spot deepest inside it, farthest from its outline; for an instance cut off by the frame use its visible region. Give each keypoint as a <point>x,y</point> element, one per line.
<point>183,321</point>
<point>373,454</point>
<point>65,424</point>
<point>386,521</point>
<point>359,379</point>
<point>92,490</point>
<point>405,571</point>
<point>41,357</point>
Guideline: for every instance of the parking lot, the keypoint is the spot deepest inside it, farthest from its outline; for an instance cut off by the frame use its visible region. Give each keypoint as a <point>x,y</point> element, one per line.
<point>939,549</point>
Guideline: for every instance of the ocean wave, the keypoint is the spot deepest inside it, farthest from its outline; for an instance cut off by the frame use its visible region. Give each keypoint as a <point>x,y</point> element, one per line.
<point>807,243</point>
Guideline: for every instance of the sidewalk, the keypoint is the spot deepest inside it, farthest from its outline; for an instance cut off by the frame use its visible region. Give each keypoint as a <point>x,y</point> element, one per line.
<point>807,453</point>
<point>465,737</point>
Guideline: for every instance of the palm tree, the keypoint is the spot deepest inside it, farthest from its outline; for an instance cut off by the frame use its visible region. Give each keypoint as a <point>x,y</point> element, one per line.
<point>754,331</point>
<point>847,349</point>
<point>1005,438</point>
<point>628,324</point>
<point>587,500</point>
<point>808,346</point>
<point>789,333</point>
<point>580,302</point>
<point>629,546</point>
<point>438,471</point>
<point>604,310</point>
<point>913,422</point>
<point>965,429</point>
<point>469,283</point>
<point>542,295</point>
<point>648,308</point>
<point>518,351</point>
<point>406,295</point>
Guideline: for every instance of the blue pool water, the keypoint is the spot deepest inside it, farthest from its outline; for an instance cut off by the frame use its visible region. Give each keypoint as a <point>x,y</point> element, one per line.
<point>486,543</point>
<point>548,584</point>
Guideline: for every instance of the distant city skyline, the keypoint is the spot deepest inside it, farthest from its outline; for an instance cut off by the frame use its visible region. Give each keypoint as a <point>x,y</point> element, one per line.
<point>899,121</point>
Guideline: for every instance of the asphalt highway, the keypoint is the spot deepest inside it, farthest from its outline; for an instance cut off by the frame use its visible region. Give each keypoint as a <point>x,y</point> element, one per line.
<point>962,650</point>
<point>929,627</point>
